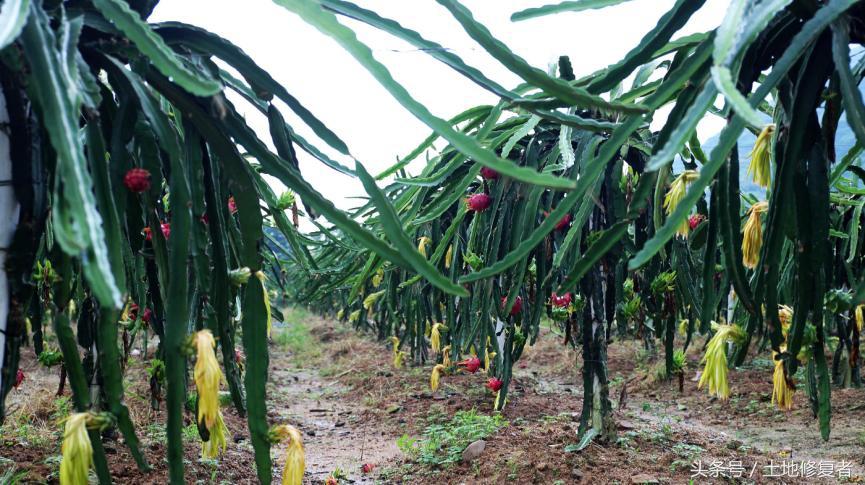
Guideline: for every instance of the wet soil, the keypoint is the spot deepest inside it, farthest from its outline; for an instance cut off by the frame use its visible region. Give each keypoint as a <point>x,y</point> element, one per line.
<point>341,390</point>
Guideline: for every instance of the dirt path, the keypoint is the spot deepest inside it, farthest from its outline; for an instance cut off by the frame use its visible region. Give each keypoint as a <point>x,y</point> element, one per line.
<point>335,437</point>
<point>308,366</point>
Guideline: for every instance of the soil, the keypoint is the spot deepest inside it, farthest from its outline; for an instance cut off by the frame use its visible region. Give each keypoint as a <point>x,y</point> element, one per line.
<point>341,390</point>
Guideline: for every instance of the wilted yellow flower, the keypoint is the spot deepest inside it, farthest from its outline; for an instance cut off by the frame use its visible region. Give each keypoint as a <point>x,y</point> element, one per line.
<point>860,316</point>
<point>353,316</point>
<point>208,376</point>
<point>295,459</point>
<point>677,191</point>
<point>261,277</point>
<point>378,277</point>
<point>434,377</point>
<point>498,406</point>
<point>782,392</point>
<point>715,360</point>
<point>398,355</point>
<point>446,356</point>
<point>488,358</point>
<point>761,153</point>
<point>785,314</point>
<point>370,300</point>
<point>683,327</point>
<point>124,315</point>
<point>435,336</point>
<point>752,240</point>
<point>398,358</point>
<point>77,451</point>
<point>449,256</point>
<point>217,443</point>
<point>422,243</point>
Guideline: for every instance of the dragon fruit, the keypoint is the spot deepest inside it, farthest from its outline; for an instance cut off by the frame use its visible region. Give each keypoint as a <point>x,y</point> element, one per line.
<point>561,301</point>
<point>518,305</point>
<point>489,174</point>
<point>564,223</point>
<point>479,202</point>
<point>695,221</point>
<point>472,364</point>
<point>137,180</point>
<point>494,384</point>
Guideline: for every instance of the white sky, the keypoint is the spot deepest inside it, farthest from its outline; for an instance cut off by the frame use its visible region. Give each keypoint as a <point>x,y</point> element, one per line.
<point>377,130</point>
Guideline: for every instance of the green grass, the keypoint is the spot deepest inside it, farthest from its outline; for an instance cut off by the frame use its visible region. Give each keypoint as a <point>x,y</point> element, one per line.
<point>11,475</point>
<point>294,335</point>
<point>190,433</point>
<point>155,433</point>
<point>62,408</point>
<point>443,443</point>
<point>27,433</point>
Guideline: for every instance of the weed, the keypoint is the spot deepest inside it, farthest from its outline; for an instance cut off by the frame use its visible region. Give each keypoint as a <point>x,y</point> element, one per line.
<point>11,475</point>
<point>627,440</point>
<point>339,474</point>
<point>686,451</point>
<point>513,467</point>
<point>190,432</point>
<point>558,418</point>
<point>156,433</point>
<point>443,444</point>
<point>406,444</point>
<point>62,408</point>
<point>29,434</point>
<point>686,455</point>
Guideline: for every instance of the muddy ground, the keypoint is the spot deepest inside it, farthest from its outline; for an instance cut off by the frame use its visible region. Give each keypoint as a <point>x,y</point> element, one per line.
<point>341,390</point>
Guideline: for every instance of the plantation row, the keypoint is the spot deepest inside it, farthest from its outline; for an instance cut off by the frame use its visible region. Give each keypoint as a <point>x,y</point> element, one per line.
<point>143,211</point>
<point>604,234</point>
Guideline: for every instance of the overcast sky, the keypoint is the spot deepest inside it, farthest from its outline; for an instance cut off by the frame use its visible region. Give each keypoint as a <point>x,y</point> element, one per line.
<point>375,127</point>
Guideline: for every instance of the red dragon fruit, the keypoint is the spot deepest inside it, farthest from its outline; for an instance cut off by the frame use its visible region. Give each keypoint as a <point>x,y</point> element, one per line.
<point>137,180</point>
<point>561,301</point>
<point>564,223</point>
<point>695,221</point>
<point>494,384</point>
<point>232,206</point>
<point>166,231</point>
<point>489,174</point>
<point>518,305</point>
<point>472,364</point>
<point>479,202</point>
